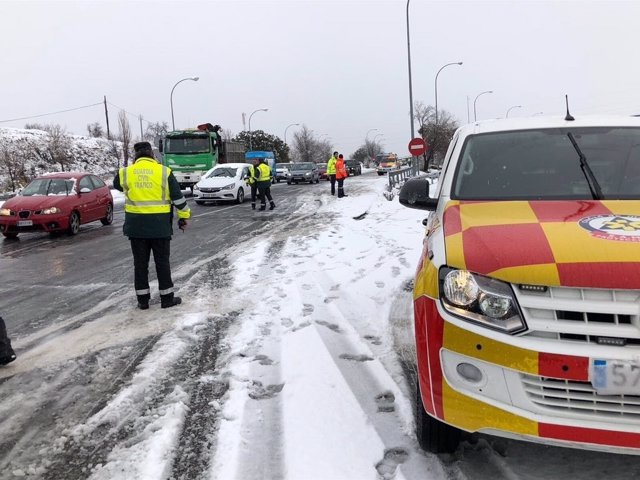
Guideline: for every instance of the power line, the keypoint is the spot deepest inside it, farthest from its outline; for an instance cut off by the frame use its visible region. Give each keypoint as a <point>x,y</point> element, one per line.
<point>129,113</point>
<point>52,113</point>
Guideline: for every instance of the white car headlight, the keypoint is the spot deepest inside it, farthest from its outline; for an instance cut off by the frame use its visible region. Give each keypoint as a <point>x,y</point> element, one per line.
<point>50,210</point>
<point>5,211</point>
<point>481,300</point>
<point>231,186</point>
<point>307,174</point>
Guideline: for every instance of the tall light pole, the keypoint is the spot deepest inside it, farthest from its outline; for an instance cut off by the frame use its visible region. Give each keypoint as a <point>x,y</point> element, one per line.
<point>413,131</point>
<point>511,108</point>
<point>285,131</point>
<point>436,85</point>
<point>259,110</point>
<point>366,137</point>
<point>378,135</point>
<point>195,79</point>
<point>475,116</point>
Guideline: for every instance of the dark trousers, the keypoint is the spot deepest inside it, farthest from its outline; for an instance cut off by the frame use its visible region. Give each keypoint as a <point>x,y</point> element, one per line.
<point>254,194</point>
<point>142,248</point>
<point>264,189</point>
<point>332,179</point>
<point>340,187</point>
<point>6,352</point>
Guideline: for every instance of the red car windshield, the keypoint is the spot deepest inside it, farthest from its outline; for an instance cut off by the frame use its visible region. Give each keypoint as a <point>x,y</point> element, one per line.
<point>49,186</point>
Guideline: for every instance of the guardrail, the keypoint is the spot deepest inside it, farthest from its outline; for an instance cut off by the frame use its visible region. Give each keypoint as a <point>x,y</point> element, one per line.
<point>398,177</point>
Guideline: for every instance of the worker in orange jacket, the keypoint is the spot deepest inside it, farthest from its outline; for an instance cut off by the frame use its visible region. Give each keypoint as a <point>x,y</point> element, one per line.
<point>341,174</point>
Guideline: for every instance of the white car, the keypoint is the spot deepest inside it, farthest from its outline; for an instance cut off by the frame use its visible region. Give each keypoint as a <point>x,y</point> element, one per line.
<point>223,182</point>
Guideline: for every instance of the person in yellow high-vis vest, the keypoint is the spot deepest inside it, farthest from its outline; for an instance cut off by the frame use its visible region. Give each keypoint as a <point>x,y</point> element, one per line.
<point>252,181</point>
<point>331,171</point>
<point>151,191</point>
<point>264,185</point>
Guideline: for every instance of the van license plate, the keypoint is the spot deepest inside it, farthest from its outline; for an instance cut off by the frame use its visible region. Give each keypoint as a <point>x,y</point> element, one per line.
<point>615,377</point>
<point>25,223</point>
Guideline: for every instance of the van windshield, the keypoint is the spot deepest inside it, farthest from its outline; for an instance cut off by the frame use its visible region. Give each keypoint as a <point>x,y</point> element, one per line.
<point>544,165</point>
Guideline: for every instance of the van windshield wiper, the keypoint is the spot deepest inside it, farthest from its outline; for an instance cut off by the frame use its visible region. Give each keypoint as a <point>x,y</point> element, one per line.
<point>594,186</point>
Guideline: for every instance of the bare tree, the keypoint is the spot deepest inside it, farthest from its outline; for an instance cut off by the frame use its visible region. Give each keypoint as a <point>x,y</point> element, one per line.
<point>226,133</point>
<point>124,136</point>
<point>57,149</point>
<point>306,147</point>
<point>95,130</point>
<point>155,131</point>
<point>438,136</point>
<point>12,163</point>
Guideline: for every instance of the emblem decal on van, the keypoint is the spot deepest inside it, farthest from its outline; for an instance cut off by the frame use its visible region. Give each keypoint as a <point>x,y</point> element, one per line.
<point>624,228</point>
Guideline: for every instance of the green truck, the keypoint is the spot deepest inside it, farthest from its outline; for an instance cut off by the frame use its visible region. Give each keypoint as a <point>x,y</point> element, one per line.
<point>191,153</point>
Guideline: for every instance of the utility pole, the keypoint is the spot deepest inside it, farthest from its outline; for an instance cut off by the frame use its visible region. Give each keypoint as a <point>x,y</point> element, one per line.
<point>106,114</point>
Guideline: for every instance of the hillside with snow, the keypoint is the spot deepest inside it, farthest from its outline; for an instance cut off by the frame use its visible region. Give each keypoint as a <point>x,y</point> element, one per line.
<point>26,153</point>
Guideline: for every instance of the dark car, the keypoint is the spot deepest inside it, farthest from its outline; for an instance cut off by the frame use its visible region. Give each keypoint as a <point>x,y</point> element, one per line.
<point>303,172</point>
<point>57,202</point>
<point>353,167</point>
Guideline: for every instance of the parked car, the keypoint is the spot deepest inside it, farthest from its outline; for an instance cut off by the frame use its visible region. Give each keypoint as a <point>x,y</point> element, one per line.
<point>281,171</point>
<point>387,166</point>
<point>353,167</point>
<point>322,171</point>
<point>526,294</point>
<point>223,182</point>
<point>57,202</point>
<point>303,172</point>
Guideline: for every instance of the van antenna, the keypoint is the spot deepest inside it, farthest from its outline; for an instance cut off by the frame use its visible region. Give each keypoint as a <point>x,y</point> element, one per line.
<point>569,117</point>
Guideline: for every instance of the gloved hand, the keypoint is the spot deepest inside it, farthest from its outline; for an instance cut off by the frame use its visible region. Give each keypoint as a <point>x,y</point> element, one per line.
<point>182,224</point>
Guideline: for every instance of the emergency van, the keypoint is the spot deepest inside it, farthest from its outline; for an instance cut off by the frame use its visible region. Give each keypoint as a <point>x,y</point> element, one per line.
<point>527,293</point>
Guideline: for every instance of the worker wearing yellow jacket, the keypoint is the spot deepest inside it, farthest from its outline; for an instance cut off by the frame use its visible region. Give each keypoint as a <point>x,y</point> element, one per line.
<point>331,171</point>
<point>264,186</point>
<point>151,191</point>
<point>252,181</point>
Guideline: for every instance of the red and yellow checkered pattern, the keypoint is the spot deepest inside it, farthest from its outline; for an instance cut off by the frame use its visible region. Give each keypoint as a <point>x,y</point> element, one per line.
<point>541,243</point>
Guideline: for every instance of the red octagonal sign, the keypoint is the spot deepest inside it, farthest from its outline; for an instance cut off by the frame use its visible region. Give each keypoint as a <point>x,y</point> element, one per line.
<point>417,147</point>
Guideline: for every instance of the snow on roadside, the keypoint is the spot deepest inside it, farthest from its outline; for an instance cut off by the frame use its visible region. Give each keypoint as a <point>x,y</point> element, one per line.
<point>322,321</point>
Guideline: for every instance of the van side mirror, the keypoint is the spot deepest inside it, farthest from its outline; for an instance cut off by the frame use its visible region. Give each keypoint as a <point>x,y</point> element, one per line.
<point>415,194</point>
<point>160,146</point>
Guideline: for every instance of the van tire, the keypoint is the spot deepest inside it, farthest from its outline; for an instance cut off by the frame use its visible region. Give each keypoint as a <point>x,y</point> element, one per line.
<point>433,435</point>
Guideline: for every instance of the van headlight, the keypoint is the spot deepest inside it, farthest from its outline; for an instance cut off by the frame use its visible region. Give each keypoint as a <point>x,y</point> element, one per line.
<point>481,300</point>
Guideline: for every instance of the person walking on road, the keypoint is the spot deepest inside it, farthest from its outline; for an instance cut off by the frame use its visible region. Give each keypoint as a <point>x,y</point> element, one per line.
<point>150,191</point>
<point>264,186</point>
<point>252,181</point>
<point>341,174</point>
<point>7,355</point>
<point>331,171</point>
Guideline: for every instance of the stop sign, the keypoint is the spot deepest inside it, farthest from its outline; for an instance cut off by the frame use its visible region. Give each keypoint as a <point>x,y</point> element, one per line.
<point>417,147</point>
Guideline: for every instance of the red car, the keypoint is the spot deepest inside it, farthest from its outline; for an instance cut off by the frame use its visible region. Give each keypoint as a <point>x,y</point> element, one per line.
<point>322,169</point>
<point>57,202</point>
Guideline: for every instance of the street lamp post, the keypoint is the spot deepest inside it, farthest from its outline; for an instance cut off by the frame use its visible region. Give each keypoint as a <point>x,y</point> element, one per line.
<point>436,85</point>
<point>285,131</point>
<point>259,110</point>
<point>413,132</point>
<point>475,116</point>
<point>195,79</point>
<point>366,137</point>
<point>511,108</point>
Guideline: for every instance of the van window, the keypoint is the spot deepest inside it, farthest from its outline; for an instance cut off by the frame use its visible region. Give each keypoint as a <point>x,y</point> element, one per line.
<point>543,164</point>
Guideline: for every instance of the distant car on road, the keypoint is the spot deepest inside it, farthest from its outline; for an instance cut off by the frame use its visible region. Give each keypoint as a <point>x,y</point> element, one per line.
<point>225,181</point>
<point>353,167</point>
<point>322,171</point>
<point>303,172</point>
<point>57,202</point>
<point>387,166</point>
<point>281,171</point>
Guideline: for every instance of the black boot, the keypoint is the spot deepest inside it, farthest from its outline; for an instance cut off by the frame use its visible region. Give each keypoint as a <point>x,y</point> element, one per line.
<point>143,302</point>
<point>272,206</point>
<point>263,207</point>
<point>7,355</point>
<point>253,206</point>
<point>169,302</point>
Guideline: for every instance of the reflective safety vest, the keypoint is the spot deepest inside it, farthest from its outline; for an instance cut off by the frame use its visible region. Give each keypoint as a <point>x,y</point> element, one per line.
<point>331,166</point>
<point>253,174</point>
<point>146,187</point>
<point>265,173</point>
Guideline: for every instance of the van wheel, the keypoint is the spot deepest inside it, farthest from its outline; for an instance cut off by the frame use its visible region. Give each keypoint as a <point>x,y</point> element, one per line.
<point>433,435</point>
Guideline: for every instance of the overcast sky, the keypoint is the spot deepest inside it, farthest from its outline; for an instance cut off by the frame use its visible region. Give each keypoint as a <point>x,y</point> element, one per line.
<point>340,67</point>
